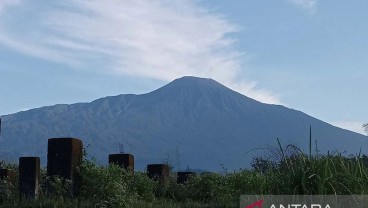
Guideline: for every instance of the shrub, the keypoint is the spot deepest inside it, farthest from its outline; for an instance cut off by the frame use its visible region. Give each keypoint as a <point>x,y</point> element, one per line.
<point>7,191</point>
<point>106,186</point>
<point>55,187</point>
<point>143,186</point>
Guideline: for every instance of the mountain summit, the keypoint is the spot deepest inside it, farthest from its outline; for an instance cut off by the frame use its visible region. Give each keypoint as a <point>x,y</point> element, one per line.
<point>191,122</point>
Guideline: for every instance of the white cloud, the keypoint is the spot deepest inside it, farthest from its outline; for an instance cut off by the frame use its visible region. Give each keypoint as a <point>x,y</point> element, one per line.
<point>251,90</point>
<point>5,3</point>
<point>158,39</point>
<point>309,5</point>
<point>350,125</point>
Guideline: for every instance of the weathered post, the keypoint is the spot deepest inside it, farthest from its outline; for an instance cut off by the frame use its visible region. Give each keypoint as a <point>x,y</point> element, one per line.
<point>183,177</point>
<point>158,171</point>
<point>29,176</point>
<point>63,157</point>
<point>125,161</point>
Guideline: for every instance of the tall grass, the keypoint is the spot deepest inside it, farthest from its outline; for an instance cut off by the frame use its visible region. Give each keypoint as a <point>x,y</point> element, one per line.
<point>290,172</point>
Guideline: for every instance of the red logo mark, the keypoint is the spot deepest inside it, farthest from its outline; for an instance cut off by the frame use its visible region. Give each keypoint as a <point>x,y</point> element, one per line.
<point>256,204</point>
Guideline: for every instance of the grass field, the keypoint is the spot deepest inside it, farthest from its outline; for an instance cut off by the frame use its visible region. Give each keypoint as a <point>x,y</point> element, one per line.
<point>290,172</point>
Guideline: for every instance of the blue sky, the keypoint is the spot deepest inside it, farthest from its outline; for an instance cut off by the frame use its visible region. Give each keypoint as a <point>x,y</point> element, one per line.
<point>309,55</point>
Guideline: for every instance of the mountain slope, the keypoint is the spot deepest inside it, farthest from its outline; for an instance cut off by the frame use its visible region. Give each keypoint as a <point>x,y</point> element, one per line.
<point>189,122</point>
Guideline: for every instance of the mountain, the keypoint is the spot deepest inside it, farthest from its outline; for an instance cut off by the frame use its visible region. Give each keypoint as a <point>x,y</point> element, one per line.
<point>190,122</point>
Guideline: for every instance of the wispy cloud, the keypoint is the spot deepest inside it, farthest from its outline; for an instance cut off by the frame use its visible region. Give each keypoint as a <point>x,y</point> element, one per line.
<point>355,126</point>
<point>158,39</point>
<point>5,3</point>
<point>309,5</point>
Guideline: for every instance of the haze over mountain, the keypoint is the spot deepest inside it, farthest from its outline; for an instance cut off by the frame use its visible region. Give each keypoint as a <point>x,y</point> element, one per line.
<point>191,122</point>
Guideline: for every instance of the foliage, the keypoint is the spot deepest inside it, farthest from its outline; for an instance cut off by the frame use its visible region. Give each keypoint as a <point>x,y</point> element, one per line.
<point>7,190</point>
<point>55,187</point>
<point>106,187</point>
<point>143,186</point>
<point>262,165</point>
<point>290,172</point>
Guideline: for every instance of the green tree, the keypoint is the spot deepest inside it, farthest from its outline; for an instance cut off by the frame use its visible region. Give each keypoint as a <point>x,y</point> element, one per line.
<point>365,126</point>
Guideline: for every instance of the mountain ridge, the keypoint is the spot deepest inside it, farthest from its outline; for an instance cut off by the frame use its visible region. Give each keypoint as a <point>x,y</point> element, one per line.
<point>189,121</point>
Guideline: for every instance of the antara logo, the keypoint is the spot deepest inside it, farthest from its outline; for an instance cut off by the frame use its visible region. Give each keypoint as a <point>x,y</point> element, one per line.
<point>259,203</point>
<point>256,204</point>
<point>300,206</point>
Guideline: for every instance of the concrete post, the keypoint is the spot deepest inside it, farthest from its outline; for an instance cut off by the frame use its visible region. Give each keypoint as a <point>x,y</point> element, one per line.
<point>63,157</point>
<point>29,176</point>
<point>183,177</point>
<point>158,171</point>
<point>125,161</point>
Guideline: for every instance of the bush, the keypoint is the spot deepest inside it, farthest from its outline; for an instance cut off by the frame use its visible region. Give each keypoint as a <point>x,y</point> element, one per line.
<point>9,188</point>
<point>7,191</point>
<point>55,187</point>
<point>111,186</point>
<point>143,186</point>
<point>106,186</point>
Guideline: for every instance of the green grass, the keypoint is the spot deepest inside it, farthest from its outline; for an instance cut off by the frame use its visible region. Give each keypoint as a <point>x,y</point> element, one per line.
<point>292,173</point>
